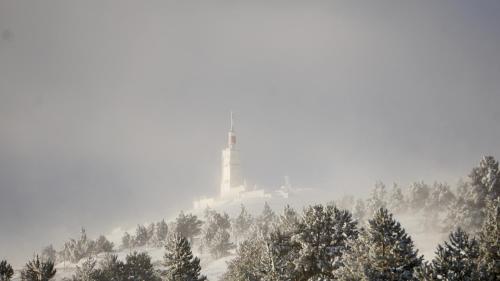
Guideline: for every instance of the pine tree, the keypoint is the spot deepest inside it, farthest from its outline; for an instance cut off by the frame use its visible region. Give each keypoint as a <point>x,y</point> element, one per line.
<point>276,257</point>
<point>392,255</point>
<point>397,203</point>
<point>456,260</point>
<point>418,194</point>
<point>216,233</point>
<point>266,220</point>
<point>247,263</point>
<point>179,262</point>
<point>48,253</point>
<point>141,235</point>
<point>38,270</point>
<point>138,267</point>
<point>359,211</point>
<point>161,232</point>
<point>103,245</point>
<point>112,269</point>
<point>489,243</point>
<point>355,259</point>
<point>378,198</point>
<point>188,225</point>
<point>485,187</point>
<point>288,221</point>
<point>242,224</point>
<point>6,271</point>
<point>86,272</point>
<point>127,241</point>
<point>322,237</point>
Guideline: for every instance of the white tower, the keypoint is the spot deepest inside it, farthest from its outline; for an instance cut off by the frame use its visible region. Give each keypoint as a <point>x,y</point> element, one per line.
<point>231,182</point>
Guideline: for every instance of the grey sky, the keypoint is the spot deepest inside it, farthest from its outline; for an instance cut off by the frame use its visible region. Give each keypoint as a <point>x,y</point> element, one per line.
<point>115,112</point>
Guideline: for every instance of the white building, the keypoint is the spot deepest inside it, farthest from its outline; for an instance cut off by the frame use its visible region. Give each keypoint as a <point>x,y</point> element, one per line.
<point>231,181</point>
<point>232,187</point>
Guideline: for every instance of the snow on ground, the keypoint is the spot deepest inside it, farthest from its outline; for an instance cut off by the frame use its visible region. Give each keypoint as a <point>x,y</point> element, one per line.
<point>213,269</point>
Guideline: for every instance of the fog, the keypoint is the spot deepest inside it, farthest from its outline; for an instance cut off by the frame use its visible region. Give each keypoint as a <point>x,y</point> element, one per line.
<point>115,112</point>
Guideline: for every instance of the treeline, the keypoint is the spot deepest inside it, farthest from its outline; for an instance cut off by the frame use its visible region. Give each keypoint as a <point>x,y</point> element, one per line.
<point>439,206</point>
<point>77,249</point>
<point>327,242</point>
<point>178,262</point>
<point>344,240</point>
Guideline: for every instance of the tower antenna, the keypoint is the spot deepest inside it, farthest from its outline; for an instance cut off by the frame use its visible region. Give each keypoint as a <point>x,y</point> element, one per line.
<point>232,121</point>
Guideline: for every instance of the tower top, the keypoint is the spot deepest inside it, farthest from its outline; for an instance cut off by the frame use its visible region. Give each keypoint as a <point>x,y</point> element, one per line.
<point>232,121</point>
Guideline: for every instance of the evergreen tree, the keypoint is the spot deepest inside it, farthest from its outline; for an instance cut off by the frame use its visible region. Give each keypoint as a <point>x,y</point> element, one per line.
<point>87,272</point>
<point>489,243</point>
<point>6,271</point>
<point>391,254</point>
<point>355,259</point>
<point>378,198</point>
<point>103,245</point>
<point>397,203</point>
<point>288,221</point>
<point>179,262</point>
<point>188,226</point>
<point>127,241</point>
<point>138,267</point>
<point>277,256</point>
<point>49,253</point>
<point>216,233</point>
<point>112,269</point>
<point>418,194</point>
<point>359,212</point>
<point>266,220</point>
<point>38,270</point>
<point>242,224</point>
<point>161,232</point>
<point>457,259</point>
<point>485,187</point>
<point>141,235</point>
<point>246,265</point>
<point>322,237</point>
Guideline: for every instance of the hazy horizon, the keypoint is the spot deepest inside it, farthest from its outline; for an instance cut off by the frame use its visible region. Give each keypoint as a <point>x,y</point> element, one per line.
<point>115,112</point>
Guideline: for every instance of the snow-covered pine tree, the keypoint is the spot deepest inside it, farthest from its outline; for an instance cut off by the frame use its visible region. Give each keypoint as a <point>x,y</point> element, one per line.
<point>188,225</point>
<point>457,259</point>
<point>392,255</point>
<point>220,244</point>
<point>288,221</point>
<point>276,257</point>
<point>87,271</point>
<point>138,267</point>
<point>485,187</point>
<point>397,202</point>
<point>242,224</point>
<point>151,230</point>
<point>377,199</point>
<point>418,193</point>
<point>359,211</point>
<point>489,243</point>
<point>216,235</point>
<point>38,270</point>
<point>6,271</point>
<point>179,262</point>
<point>49,253</point>
<point>247,263</point>
<point>440,199</point>
<point>112,269</point>
<point>161,232</point>
<point>141,235</point>
<point>266,220</point>
<point>322,236</point>
<point>103,245</point>
<point>127,241</point>
<point>355,259</point>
